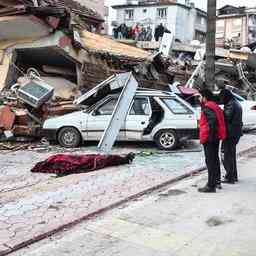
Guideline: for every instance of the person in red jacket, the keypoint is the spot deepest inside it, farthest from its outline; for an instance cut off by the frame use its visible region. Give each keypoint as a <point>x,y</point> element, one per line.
<point>212,130</point>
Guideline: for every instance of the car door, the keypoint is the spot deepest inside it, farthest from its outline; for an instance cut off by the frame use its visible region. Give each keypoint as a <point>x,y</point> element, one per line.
<point>180,114</point>
<point>138,118</point>
<point>99,118</point>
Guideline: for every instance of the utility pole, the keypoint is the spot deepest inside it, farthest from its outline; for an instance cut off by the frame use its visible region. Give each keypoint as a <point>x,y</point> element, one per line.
<point>210,45</point>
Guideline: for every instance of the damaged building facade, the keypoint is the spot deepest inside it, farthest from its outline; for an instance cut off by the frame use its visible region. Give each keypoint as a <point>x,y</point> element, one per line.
<point>184,21</point>
<point>236,26</point>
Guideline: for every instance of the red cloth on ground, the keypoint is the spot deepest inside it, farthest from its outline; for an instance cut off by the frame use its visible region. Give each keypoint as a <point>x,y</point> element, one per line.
<point>63,164</point>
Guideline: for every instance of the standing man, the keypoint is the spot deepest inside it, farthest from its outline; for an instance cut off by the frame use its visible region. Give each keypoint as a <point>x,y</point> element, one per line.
<point>212,130</point>
<point>234,124</point>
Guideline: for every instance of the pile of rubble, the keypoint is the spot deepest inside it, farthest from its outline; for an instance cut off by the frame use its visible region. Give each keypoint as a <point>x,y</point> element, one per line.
<point>236,68</point>
<point>54,57</point>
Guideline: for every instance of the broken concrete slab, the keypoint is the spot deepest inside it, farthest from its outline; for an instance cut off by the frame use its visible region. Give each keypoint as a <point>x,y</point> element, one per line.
<point>31,27</point>
<point>58,70</point>
<point>98,43</point>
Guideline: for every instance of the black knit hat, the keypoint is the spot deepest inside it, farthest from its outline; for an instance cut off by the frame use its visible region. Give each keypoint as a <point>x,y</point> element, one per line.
<point>207,94</point>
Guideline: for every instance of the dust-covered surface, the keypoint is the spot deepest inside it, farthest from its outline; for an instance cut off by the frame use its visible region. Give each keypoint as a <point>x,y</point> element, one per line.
<point>33,204</point>
<point>191,223</point>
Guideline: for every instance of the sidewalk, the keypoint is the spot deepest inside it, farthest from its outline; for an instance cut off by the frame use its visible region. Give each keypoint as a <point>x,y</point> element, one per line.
<point>178,221</point>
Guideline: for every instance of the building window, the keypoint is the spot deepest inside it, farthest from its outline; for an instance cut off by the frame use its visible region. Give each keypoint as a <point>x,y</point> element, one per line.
<point>236,24</point>
<point>161,13</point>
<point>252,20</point>
<point>220,28</point>
<point>200,36</point>
<point>129,14</point>
<point>202,21</point>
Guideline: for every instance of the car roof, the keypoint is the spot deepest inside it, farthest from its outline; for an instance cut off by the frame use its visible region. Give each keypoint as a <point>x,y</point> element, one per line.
<point>147,92</point>
<point>152,92</point>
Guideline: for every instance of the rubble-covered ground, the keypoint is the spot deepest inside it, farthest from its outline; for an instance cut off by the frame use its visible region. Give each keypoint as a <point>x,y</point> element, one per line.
<point>32,204</point>
<point>176,220</point>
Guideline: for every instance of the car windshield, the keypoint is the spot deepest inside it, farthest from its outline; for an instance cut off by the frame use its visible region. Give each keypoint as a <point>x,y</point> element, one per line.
<point>176,106</point>
<point>107,108</point>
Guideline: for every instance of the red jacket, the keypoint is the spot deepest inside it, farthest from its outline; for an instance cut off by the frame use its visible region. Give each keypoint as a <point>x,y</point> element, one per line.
<point>204,126</point>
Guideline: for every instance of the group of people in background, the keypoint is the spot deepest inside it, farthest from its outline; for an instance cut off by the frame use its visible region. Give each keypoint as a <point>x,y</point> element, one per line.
<point>218,125</point>
<point>139,32</point>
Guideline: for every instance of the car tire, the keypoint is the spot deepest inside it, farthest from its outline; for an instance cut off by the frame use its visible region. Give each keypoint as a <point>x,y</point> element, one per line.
<point>69,137</point>
<point>166,140</point>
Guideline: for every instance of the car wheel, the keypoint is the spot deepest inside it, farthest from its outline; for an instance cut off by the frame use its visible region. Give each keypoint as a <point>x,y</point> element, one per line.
<point>69,137</point>
<point>166,140</point>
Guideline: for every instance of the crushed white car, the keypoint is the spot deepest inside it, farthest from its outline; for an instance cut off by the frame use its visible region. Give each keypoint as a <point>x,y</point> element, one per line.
<point>153,115</point>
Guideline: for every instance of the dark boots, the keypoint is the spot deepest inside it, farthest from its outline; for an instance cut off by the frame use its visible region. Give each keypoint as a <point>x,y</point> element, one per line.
<point>207,189</point>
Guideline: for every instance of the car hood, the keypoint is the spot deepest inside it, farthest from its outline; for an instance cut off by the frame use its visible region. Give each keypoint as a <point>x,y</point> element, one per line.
<point>63,120</point>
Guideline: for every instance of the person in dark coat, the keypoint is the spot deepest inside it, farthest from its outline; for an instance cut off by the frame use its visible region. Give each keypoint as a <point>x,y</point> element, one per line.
<point>233,119</point>
<point>159,32</point>
<point>212,130</point>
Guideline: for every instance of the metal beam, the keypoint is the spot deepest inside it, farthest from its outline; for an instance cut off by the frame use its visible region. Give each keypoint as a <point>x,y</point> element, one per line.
<point>119,114</point>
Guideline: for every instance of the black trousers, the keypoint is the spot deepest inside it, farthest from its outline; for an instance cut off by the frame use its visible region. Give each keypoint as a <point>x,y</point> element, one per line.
<point>230,163</point>
<point>211,151</point>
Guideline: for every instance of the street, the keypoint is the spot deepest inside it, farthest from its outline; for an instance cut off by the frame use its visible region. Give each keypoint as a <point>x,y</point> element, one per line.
<point>33,206</point>
<point>176,220</point>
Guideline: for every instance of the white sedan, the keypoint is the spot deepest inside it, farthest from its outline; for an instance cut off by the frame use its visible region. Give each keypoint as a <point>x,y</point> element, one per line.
<point>249,112</point>
<point>154,115</point>
<point>248,107</point>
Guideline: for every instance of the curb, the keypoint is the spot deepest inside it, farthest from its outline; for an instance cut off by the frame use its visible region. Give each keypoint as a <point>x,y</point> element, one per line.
<point>112,206</point>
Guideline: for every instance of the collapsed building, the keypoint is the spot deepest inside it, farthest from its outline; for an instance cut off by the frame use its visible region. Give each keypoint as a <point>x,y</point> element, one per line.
<point>57,48</point>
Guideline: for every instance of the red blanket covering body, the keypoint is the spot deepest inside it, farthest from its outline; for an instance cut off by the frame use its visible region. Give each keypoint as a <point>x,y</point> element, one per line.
<point>63,164</point>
